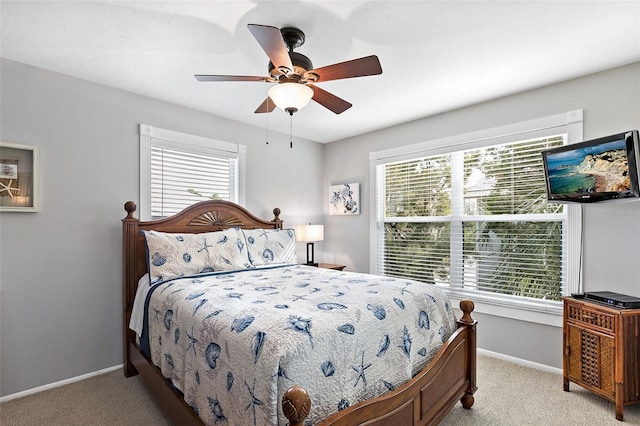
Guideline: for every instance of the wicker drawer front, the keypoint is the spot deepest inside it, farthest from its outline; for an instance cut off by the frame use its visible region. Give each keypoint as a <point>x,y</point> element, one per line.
<point>597,359</point>
<point>591,359</point>
<point>602,320</point>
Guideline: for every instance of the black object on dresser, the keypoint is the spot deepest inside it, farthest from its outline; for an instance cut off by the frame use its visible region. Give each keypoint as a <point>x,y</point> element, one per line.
<point>615,299</point>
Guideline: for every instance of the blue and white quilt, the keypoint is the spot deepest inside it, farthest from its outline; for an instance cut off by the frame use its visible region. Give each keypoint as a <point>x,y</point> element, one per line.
<point>234,342</point>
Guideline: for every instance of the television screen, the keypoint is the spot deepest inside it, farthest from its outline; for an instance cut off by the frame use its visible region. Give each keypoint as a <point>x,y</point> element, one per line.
<point>596,170</point>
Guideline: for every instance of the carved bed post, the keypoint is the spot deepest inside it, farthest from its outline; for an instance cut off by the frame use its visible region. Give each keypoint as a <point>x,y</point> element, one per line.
<point>129,232</point>
<point>467,307</point>
<point>296,405</point>
<point>276,218</point>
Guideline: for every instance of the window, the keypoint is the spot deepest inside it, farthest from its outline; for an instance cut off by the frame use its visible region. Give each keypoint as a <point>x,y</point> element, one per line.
<point>471,215</point>
<point>177,170</point>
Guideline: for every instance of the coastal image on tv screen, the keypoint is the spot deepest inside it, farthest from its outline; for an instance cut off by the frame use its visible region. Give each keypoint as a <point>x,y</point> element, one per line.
<point>599,168</point>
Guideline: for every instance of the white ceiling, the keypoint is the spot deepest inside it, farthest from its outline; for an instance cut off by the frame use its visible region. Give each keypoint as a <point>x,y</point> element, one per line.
<point>435,55</point>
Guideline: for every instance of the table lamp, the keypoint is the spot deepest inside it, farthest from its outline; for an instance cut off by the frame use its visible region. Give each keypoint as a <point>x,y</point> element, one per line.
<point>310,234</point>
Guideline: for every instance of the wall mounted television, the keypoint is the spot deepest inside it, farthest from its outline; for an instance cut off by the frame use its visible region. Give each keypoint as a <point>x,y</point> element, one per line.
<point>602,169</point>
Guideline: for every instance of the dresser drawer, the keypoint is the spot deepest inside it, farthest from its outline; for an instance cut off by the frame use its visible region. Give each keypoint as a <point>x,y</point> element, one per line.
<point>600,320</point>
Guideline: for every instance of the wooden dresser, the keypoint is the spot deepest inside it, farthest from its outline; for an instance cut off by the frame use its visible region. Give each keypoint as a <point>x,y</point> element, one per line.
<point>601,347</point>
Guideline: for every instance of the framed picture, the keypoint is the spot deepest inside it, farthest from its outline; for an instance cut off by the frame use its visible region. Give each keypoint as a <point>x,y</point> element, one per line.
<point>344,199</point>
<point>19,186</point>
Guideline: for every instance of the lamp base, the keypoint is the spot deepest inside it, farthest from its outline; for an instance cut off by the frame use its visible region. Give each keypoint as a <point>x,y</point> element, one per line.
<point>310,260</point>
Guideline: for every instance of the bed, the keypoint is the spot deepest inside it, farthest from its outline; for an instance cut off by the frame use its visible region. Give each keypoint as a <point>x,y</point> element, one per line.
<point>435,353</point>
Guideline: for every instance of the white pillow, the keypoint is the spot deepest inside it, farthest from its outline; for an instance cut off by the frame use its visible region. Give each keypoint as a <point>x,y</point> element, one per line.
<point>177,255</point>
<point>271,246</point>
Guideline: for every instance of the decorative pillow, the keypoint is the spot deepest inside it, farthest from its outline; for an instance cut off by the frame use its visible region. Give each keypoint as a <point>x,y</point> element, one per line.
<point>271,246</point>
<point>177,255</point>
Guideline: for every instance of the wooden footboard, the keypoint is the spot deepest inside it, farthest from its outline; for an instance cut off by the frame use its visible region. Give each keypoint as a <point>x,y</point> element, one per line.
<point>425,400</point>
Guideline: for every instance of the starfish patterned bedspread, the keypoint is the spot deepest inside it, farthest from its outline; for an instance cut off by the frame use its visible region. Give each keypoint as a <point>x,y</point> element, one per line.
<point>233,343</point>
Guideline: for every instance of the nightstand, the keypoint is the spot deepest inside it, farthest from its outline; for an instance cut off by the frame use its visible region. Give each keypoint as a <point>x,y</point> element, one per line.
<point>331,266</point>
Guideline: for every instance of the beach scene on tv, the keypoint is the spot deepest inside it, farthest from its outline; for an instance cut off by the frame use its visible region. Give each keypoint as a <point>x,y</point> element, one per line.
<point>599,168</point>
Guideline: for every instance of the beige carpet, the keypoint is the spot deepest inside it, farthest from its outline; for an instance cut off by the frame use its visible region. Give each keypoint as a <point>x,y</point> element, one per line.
<point>106,400</point>
<point>507,395</point>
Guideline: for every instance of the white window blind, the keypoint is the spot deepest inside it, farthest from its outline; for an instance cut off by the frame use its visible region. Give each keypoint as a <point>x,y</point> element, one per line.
<point>497,221</point>
<point>178,170</point>
<point>473,217</point>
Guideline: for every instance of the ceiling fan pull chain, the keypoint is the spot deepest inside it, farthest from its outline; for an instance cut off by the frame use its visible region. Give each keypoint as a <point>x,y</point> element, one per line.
<point>267,121</point>
<point>291,129</point>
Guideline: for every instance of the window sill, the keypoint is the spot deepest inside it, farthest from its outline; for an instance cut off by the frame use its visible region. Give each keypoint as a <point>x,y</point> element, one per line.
<point>549,313</point>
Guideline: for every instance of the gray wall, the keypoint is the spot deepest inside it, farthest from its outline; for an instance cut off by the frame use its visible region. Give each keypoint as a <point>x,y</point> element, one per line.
<point>60,283</point>
<point>60,269</point>
<point>611,103</point>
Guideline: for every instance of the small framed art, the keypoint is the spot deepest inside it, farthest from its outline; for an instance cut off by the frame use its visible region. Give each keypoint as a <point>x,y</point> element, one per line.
<point>344,199</point>
<point>19,189</point>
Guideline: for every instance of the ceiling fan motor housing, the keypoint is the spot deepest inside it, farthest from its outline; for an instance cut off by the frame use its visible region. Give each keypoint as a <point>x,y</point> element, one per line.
<point>301,65</point>
<point>294,38</point>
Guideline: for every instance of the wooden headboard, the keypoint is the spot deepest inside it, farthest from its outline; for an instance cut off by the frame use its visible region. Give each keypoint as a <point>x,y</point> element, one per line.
<point>206,216</point>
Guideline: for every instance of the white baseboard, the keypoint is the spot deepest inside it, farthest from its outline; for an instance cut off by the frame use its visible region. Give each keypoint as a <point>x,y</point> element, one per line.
<point>519,361</point>
<point>58,384</point>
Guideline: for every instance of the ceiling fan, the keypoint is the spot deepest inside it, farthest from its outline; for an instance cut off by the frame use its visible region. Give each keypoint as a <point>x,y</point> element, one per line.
<point>294,73</point>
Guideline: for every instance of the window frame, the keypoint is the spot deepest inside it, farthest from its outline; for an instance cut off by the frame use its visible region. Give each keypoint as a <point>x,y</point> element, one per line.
<point>189,142</point>
<point>538,311</point>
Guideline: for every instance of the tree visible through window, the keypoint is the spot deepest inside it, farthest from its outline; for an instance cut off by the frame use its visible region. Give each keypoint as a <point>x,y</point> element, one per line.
<point>476,220</point>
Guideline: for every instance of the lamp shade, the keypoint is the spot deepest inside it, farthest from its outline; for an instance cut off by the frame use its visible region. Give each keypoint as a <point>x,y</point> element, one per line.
<point>309,233</point>
<point>290,97</point>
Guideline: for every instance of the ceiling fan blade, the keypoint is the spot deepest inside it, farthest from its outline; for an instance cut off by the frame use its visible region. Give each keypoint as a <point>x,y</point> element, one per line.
<point>361,67</point>
<point>329,100</point>
<point>266,106</point>
<point>270,38</point>
<point>207,77</point>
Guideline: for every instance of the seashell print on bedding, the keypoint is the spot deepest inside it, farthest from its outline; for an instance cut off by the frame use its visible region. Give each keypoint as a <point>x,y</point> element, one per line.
<point>216,410</point>
<point>229,380</point>
<point>258,344</point>
<point>347,329</point>
<point>168,316</point>
<point>176,255</point>
<point>212,354</point>
<point>384,345</point>
<point>342,404</point>
<point>406,342</point>
<point>199,305</point>
<point>268,255</point>
<point>423,320</point>
<point>234,341</point>
<point>158,260</point>
<point>327,306</point>
<point>327,368</point>
<point>271,246</point>
<point>378,311</point>
<point>240,324</point>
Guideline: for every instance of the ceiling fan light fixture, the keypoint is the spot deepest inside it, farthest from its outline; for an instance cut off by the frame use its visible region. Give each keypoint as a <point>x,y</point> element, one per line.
<point>290,97</point>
